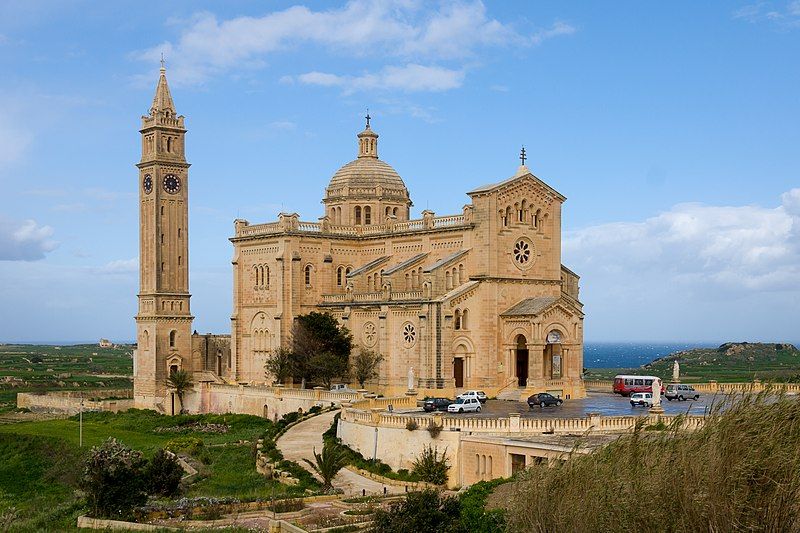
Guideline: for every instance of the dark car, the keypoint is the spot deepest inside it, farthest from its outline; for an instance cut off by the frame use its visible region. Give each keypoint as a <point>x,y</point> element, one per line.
<point>436,404</point>
<point>543,399</point>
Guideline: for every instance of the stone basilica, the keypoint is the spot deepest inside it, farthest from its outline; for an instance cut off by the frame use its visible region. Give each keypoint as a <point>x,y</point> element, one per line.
<point>477,299</point>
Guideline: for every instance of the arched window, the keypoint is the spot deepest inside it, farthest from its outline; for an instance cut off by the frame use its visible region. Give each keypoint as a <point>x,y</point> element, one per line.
<point>162,209</point>
<point>162,266</point>
<point>457,319</point>
<point>180,259</point>
<point>507,218</point>
<point>357,214</point>
<point>179,233</point>
<point>169,144</point>
<point>521,212</point>
<point>448,281</point>
<point>309,268</point>
<point>461,278</point>
<point>173,369</point>
<point>414,280</point>
<point>265,277</point>
<point>339,272</point>
<point>394,211</point>
<point>408,282</point>
<point>388,211</point>
<point>537,218</point>
<point>347,271</point>
<point>369,283</point>
<point>367,215</point>
<point>464,315</point>
<point>172,335</point>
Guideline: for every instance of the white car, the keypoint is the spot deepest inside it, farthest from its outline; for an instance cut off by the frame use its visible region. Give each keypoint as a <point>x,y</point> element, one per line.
<point>645,399</point>
<point>478,394</point>
<point>465,405</point>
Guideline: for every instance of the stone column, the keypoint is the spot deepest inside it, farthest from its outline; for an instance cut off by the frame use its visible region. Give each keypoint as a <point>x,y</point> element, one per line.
<point>535,362</point>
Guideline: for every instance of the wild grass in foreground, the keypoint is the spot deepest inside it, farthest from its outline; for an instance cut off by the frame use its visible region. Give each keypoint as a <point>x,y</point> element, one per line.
<point>741,471</point>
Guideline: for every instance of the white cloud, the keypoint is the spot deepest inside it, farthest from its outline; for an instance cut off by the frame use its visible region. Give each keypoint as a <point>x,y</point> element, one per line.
<point>409,78</point>
<point>785,15</point>
<point>119,266</point>
<point>411,30</point>
<point>735,250</point>
<point>24,241</point>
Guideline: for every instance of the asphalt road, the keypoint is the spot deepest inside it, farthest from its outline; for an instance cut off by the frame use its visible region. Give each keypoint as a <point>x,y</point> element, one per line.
<point>607,404</point>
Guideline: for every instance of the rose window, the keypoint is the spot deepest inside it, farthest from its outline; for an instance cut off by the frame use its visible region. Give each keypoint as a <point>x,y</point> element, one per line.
<point>522,252</point>
<point>409,334</point>
<point>370,334</point>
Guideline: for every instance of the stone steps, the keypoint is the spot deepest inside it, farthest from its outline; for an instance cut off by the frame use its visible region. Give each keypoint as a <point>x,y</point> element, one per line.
<point>511,394</point>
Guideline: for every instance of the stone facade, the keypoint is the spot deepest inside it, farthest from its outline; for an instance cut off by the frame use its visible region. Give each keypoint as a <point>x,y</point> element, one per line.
<point>477,299</point>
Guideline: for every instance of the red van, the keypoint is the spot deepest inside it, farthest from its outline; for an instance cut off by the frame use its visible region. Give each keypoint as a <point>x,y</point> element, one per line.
<point>627,385</point>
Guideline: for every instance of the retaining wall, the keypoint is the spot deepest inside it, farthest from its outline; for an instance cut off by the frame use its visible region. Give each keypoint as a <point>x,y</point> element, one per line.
<point>69,402</point>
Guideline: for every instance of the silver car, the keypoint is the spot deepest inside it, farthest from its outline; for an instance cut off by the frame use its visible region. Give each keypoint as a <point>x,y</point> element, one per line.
<point>679,391</point>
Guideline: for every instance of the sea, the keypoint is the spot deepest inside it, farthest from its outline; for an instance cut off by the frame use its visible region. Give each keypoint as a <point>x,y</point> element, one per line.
<point>633,354</point>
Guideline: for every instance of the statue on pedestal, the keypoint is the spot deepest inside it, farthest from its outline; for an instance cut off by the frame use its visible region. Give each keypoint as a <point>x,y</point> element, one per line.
<point>656,392</point>
<point>411,378</point>
<point>676,372</point>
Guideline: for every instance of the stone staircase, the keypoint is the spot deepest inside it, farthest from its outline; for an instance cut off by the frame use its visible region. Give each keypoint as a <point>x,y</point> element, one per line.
<point>510,391</point>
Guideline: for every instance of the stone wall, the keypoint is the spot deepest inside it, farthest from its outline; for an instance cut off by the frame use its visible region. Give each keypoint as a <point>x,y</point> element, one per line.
<point>69,402</point>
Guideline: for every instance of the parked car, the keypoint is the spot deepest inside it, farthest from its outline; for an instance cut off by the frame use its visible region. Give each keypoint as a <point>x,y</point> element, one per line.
<point>436,404</point>
<point>464,405</point>
<point>677,391</point>
<point>645,399</point>
<point>543,399</point>
<point>479,394</point>
<point>341,387</point>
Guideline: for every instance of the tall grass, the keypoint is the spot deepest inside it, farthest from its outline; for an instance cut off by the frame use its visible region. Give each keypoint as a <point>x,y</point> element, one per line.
<point>741,471</point>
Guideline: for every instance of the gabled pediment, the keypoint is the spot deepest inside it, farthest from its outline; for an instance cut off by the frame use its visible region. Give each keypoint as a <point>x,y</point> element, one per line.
<point>542,307</point>
<point>525,183</point>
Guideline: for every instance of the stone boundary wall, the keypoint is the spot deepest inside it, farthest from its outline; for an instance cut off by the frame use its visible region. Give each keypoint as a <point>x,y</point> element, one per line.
<point>513,425</point>
<point>413,485</point>
<point>711,387</point>
<point>86,522</point>
<point>69,402</point>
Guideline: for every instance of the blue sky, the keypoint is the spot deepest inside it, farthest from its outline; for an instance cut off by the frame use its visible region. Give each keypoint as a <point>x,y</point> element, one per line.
<point>671,128</point>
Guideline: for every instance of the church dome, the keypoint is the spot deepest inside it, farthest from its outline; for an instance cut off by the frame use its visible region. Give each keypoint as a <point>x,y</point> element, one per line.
<point>366,185</point>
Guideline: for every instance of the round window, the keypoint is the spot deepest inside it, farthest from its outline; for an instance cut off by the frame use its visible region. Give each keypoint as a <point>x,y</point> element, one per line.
<point>523,253</point>
<point>409,334</point>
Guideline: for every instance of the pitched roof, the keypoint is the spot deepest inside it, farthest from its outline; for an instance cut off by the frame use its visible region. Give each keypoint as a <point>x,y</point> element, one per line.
<point>368,266</point>
<point>162,101</point>
<point>445,260</point>
<point>530,306</point>
<point>406,263</point>
<point>522,173</point>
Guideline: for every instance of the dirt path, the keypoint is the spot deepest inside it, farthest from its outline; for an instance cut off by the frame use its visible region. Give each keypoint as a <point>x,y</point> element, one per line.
<point>299,442</point>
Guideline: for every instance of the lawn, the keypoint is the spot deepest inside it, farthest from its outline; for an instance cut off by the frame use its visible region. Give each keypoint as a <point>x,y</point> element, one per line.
<point>41,461</point>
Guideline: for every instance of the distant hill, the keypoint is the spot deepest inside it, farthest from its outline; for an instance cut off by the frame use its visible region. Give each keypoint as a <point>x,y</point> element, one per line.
<point>729,362</point>
<point>733,360</point>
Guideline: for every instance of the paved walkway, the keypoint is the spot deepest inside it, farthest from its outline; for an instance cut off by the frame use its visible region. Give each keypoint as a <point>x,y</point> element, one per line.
<point>301,439</point>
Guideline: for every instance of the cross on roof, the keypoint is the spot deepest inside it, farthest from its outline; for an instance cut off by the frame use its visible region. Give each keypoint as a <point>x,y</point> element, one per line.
<point>368,117</point>
<point>162,60</point>
<point>522,156</point>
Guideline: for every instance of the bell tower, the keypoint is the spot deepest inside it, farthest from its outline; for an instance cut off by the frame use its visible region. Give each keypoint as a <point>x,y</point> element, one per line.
<point>164,321</point>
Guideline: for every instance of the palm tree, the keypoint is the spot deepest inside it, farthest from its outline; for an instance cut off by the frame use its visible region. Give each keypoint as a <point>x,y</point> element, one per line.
<point>328,463</point>
<point>181,382</point>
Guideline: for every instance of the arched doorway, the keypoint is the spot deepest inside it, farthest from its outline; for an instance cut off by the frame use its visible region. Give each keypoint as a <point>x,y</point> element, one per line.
<point>459,365</point>
<point>553,355</point>
<point>522,360</point>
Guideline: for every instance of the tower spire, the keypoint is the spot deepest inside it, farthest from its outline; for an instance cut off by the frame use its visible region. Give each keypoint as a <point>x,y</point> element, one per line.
<point>162,101</point>
<point>368,141</point>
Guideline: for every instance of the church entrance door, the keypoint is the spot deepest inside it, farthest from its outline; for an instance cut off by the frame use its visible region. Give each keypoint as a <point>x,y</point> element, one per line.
<point>458,371</point>
<point>522,361</point>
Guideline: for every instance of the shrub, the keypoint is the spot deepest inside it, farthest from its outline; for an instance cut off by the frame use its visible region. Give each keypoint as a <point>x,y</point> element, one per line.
<point>113,480</point>
<point>434,429</point>
<point>412,425</point>
<point>163,474</point>
<point>428,510</point>
<point>432,467</point>
<point>190,445</point>
<point>286,505</point>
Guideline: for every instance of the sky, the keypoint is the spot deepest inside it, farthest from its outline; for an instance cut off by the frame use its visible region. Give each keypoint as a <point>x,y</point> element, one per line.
<point>672,129</point>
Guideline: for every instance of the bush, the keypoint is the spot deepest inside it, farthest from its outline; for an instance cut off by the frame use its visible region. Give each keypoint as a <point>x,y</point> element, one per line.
<point>429,511</point>
<point>474,517</point>
<point>434,429</point>
<point>163,474</point>
<point>432,467</point>
<point>412,425</point>
<point>113,480</point>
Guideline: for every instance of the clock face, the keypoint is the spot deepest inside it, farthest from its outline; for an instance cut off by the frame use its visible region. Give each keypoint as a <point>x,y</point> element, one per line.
<point>147,184</point>
<point>172,183</point>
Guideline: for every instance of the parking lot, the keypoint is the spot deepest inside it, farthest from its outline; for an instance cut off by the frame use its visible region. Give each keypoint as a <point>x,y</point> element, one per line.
<point>605,403</point>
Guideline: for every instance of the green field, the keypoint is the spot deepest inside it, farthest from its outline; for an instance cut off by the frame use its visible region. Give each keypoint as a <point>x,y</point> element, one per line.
<point>731,362</point>
<point>41,461</point>
<point>28,367</point>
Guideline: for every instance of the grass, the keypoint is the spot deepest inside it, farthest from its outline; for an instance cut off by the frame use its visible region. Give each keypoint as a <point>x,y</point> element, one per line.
<point>741,471</point>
